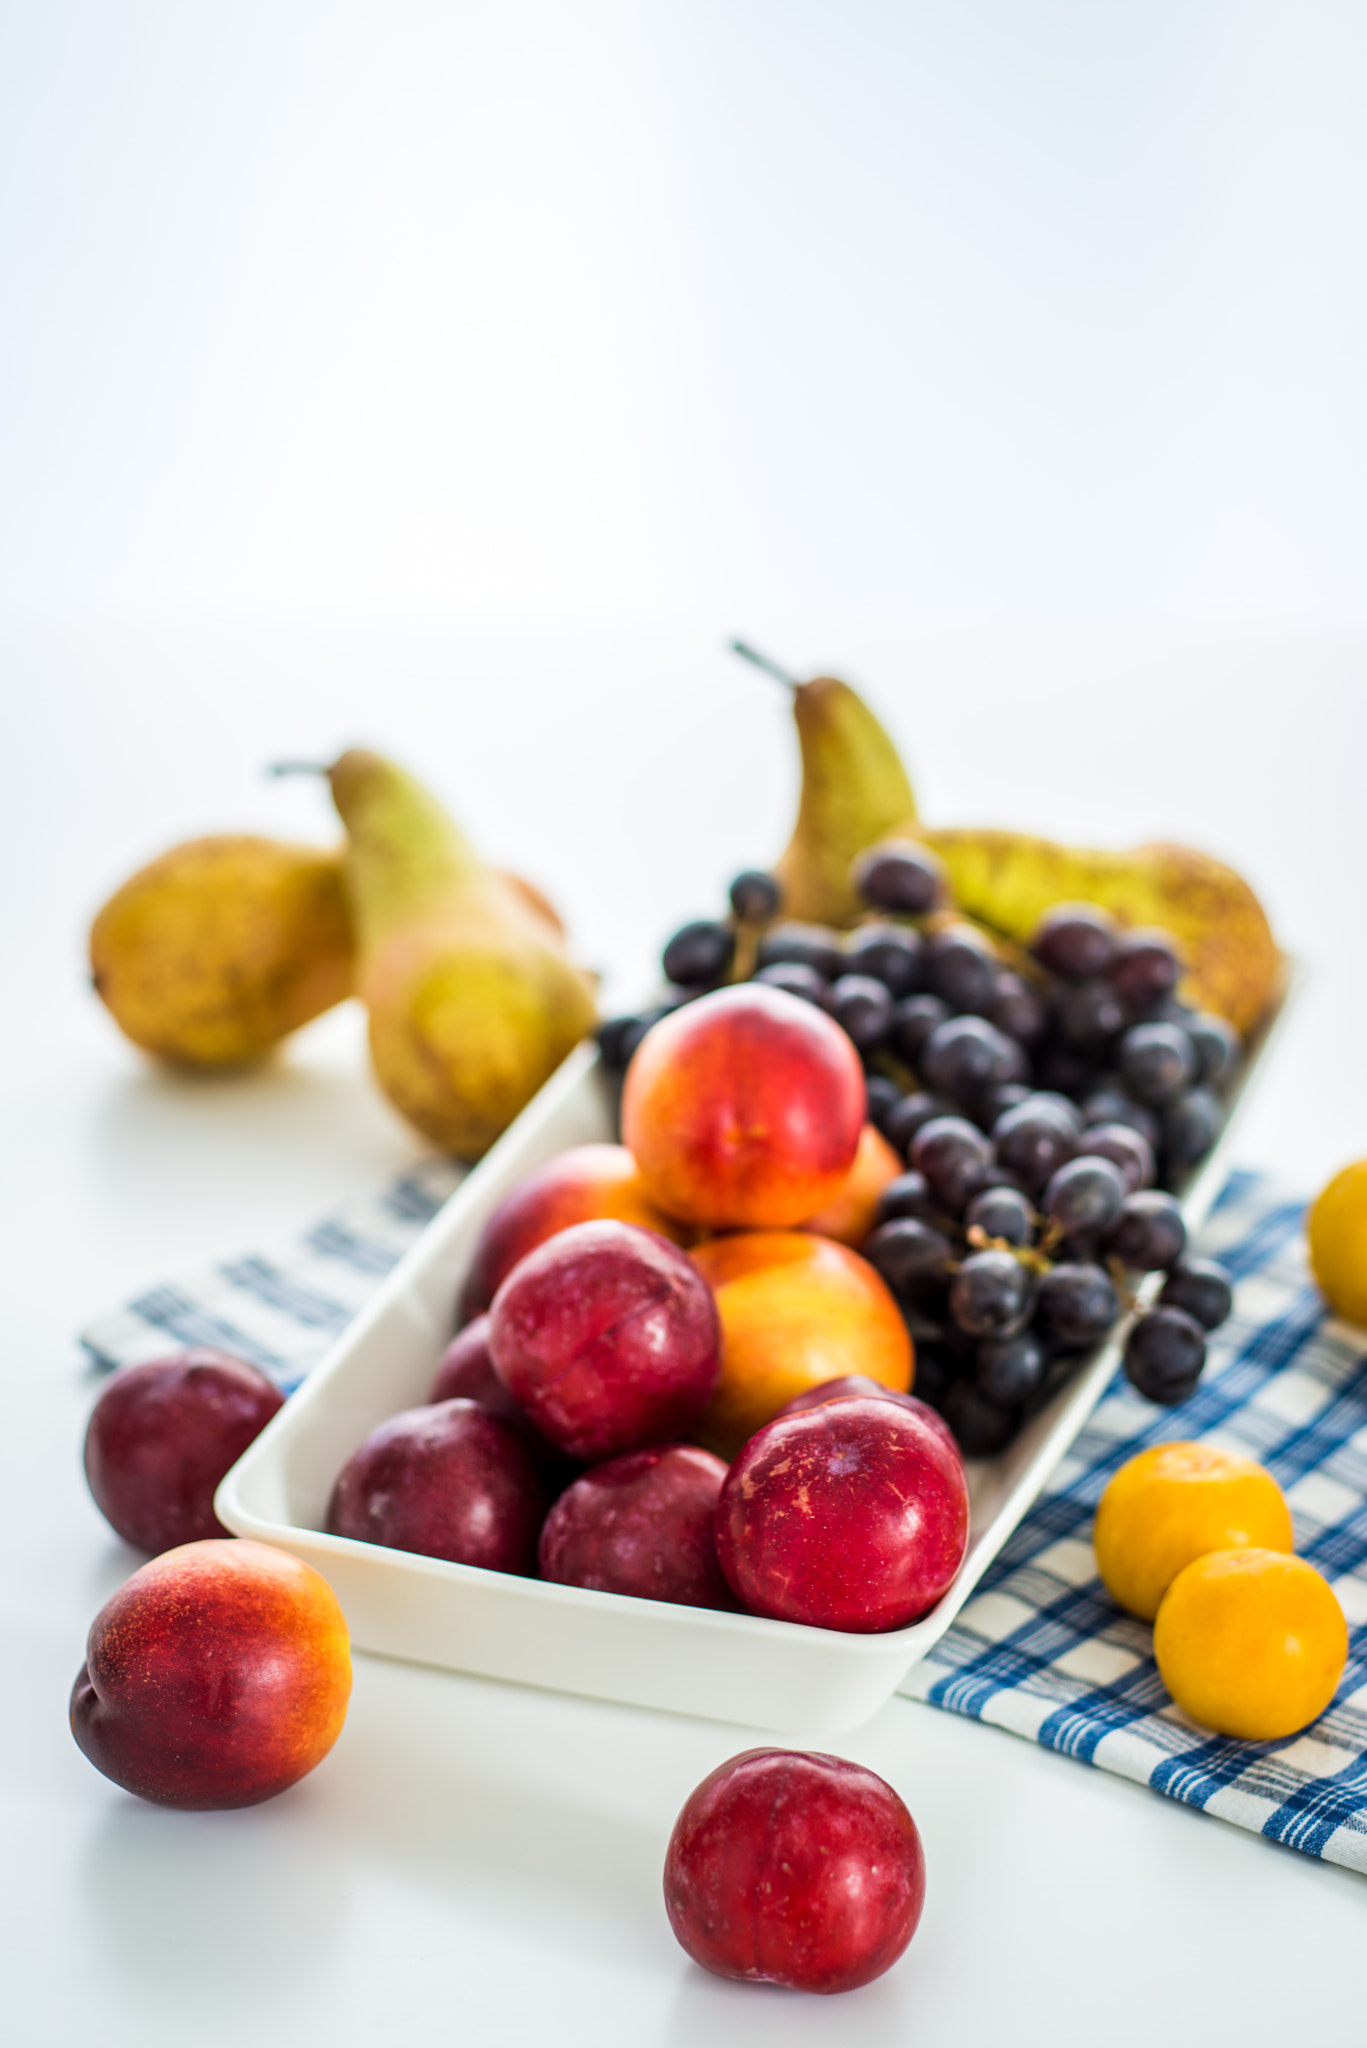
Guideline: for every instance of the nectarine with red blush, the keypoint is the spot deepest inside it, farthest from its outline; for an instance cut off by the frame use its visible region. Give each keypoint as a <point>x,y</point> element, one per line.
<point>216,1676</point>
<point>795,1868</point>
<point>850,1218</point>
<point>162,1436</point>
<point>858,1386</point>
<point>579,1186</point>
<point>851,1516</point>
<point>743,1110</point>
<point>607,1338</point>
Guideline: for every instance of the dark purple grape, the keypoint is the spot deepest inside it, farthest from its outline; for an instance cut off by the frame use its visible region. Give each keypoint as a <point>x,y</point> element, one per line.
<point>1076,1305</point>
<point>964,1055</point>
<point>1074,941</point>
<point>990,1295</point>
<point>936,1370</point>
<point>1146,968</point>
<point>1126,1148</point>
<point>1203,1289</point>
<point>613,1034</point>
<point>960,969</point>
<point>699,953</point>
<point>901,876</point>
<point>1018,1009</point>
<point>637,1027</point>
<point>913,1257</point>
<point>1156,1061</point>
<point>1061,1106</point>
<point>908,1195</point>
<point>1001,1212</point>
<point>1109,1104</point>
<point>1010,1370</point>
<point>1217,1048</point>
<point>1065,1069</point>
<point>911,1112</point>
<point>1191,1124</point>
<point>807,945</point>
<point>996,1100</point>
<point>1164,1354</point>
<point>955,1158</point>
<point>1032,1141</point>
<point>1084,1195</point>
<point>1088,1014</point>
<point>795,979</point>
<point>881,1097</point>
<point>755,896</point>
<point>891,953</point>
<point>913,1020</point>
<point>980,1426</point>
<point>1150,1234</point>
<point>862,1008</point>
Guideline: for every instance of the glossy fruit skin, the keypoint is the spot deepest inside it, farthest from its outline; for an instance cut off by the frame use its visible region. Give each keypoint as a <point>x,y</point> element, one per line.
<point>699,953</point>
<point>853,1213</point>
<point>1085,1194</point>
<point>1126,1148</point>
<point>1076,1305</point>
<point>955,1158</point>
<point>754,895</point>
<point>861,1007</point>
<point>980,1426</point>
<point>582,1185</point>
<point>161,1437</point>
<point>900,876</point>
<point>890,953</point>
<point>454,1481</point>
<point>1202,1288</point>
<point>1149,1234</point>
<point>641,1525</point>
<point>990,1295</point>
<point>1075,941</point>
<point>802,945</point>
<point>1164,1355</point>
<point>1337,1229</point>
<point>850,1516</point>
<point>796,1310</point>
<point>744,1110</point>
<point>857,1386</point>
<point>216,1676</point>
<point>608,1339</point>
<point>466,1373</point>
<point>1251,1643</point>
<point>914,1258</point>
<point>795,1868</point>
<point>1176,1502</point>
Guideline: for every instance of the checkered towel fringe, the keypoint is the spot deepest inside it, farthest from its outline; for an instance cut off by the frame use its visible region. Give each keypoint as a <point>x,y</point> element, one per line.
<point>1042,1650</point>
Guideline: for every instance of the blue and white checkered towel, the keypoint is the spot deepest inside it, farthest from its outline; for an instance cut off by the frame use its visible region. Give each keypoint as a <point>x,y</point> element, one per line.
<point>1040,1649</point>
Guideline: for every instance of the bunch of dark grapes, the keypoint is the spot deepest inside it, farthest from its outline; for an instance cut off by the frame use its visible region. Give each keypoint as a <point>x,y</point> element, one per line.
<point>1048,1106</point>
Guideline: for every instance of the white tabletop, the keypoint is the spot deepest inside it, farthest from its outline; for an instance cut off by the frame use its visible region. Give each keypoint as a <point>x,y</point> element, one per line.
<point>455,380</point>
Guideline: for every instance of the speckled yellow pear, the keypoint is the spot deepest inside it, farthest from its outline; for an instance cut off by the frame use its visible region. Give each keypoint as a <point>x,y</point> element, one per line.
<point>473,1001</point>
<point>215,951</point>
<point>854,792</point>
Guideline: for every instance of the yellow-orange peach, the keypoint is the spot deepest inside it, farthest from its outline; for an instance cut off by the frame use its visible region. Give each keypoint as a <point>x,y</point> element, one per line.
<point>796,1310</point>
<point>743,1110</point>
<point>587,1184</point>
<point>851,1216</point>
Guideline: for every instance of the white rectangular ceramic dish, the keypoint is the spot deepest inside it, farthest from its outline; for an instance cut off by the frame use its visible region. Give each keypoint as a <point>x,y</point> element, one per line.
<point>727,1667</point>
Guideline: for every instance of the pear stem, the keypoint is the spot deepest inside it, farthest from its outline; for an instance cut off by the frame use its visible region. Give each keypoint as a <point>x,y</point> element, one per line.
<point>296,768</point>
<point>762,661</point>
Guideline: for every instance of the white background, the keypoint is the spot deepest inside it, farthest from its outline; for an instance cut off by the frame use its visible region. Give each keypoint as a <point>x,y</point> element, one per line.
<point>456,378</point>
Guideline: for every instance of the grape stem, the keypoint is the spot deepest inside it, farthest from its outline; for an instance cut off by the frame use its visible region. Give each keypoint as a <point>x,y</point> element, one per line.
<point>763,661</point>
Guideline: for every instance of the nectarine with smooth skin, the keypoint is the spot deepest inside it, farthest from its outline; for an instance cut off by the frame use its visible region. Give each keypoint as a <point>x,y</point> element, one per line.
<point>850,1218</point>
<point>581,1185</point>
<point>858,1386</point>
<point>743,1110</point>
<point>641,1525</point>
<point>795,1868</point>
<point>796,1310</point>
<point>466,1373</point>
<point>453,1481</point>
<point>162,1436</point>
<point>216,1676</point>
<point>851,1516</point>
<point>607,1338</point>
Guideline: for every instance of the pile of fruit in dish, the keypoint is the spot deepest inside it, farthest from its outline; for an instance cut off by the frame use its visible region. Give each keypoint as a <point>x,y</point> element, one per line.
<point>636,1316</point>
<point>1030,1113</point>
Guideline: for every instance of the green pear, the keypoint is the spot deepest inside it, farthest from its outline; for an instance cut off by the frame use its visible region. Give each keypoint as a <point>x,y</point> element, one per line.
<point>215,951</point>
<point>472,998</point>
<point>854,792</point>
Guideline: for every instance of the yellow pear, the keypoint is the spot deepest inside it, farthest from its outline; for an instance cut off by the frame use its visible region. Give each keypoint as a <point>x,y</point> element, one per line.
<point>854,792</point>
<point>1008,880</point>
<point>472,998</point>
<point>214,952</point>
